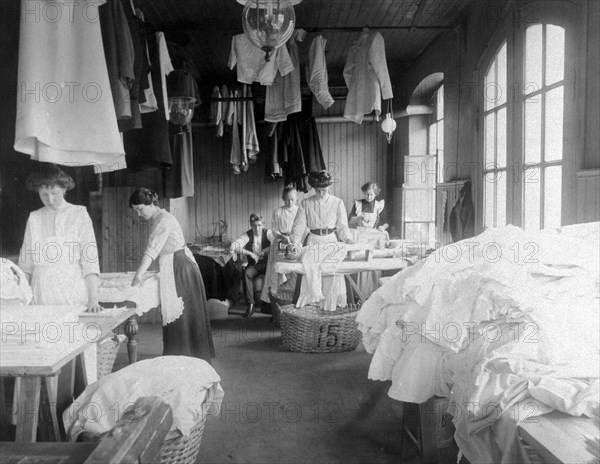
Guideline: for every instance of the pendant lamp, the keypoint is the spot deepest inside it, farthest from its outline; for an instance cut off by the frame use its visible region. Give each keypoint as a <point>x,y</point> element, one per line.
<point>268,24</point>
<point>388,125</point>
<point>181,111</point>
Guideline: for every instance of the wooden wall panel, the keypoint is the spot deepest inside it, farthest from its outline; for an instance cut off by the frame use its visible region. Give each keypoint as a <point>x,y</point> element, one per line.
<point>588,188</point>
<point>354,153</point>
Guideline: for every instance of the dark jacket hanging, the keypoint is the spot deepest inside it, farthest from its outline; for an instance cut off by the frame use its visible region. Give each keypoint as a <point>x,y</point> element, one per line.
<point>462,216</point>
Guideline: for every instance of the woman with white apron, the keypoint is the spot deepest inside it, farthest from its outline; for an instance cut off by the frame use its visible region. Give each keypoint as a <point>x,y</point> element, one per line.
<point>186,326</point>
<point>326,218</point>
<point>368,218</point>
<point>283,218</point>
<point>59,254</point>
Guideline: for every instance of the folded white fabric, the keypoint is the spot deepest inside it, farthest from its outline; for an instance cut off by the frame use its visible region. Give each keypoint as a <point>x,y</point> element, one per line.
<point>189,385</point>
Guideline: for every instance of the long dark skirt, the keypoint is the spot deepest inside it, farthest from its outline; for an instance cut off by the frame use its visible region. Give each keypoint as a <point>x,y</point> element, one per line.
<point>190,334</point>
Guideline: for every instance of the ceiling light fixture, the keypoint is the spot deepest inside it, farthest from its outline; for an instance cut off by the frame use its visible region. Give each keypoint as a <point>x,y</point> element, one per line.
<point>268,24</point>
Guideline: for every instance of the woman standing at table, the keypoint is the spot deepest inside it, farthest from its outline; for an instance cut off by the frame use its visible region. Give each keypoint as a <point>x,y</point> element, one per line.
<point>186,326</point>
<point>326,218</point>
<point>283,218</point>
<point>59,254</point>
<point>368,212</point>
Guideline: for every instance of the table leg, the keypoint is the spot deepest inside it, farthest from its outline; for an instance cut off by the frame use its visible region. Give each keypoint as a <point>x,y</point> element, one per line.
<point>354,286</point>
<point>131,330</point>
<point>49,430</point>
<point>28,404</point>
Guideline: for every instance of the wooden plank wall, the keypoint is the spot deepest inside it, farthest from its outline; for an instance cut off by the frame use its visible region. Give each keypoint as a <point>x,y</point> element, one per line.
<point>588,189</point>
<point>354,153</point>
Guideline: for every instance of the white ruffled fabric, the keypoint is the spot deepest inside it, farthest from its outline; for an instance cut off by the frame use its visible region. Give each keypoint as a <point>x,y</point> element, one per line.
<point>170,303</point>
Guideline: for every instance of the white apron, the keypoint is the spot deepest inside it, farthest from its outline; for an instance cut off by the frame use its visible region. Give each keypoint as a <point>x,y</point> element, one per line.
<point>329,292</point>
<point>57,280</point>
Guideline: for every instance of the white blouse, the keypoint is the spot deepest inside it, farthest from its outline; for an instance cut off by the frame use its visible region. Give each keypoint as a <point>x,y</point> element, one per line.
<point>283,218</point>
<point>316,213</point>
<point>166,235</point>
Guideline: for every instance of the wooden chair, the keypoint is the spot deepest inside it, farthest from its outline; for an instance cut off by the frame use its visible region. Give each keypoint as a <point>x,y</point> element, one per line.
<point>137,438</point>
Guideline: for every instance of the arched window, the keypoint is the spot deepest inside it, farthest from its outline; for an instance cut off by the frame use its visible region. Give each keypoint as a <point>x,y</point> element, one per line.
<point>522,122</point>
<point>543,103</point>
<point>495,136</point>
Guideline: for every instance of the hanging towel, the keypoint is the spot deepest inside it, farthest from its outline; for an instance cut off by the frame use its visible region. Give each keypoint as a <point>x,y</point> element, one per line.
<point>64,116</point>
<point>316,72</point>
<point>367,78</point>
<point>236,157</point>
<point>250,137</point>
<point>166,67</point>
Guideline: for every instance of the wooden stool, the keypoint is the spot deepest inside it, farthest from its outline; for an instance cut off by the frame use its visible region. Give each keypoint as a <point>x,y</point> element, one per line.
<point>434,432</point>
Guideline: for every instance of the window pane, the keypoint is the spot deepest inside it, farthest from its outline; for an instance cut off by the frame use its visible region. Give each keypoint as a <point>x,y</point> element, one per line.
<point>533,58</point>
<point>440,103</point>
<point>553,143</point>
<point>440,165</point>
<point>490,87</point>
<point>555,54</point>
<point>432,139</point>
<point>489,141</point>
<point>501,138</point>
<point>440,135</point>
<point>533,129</point>
<point>531,199</point>
<point>552,196</point>
<point>501,201</point>
<point>489,203</point>
<point>502,87</point>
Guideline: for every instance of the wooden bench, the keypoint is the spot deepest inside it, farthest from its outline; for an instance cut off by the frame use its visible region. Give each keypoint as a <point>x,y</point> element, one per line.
<point>137,438</point>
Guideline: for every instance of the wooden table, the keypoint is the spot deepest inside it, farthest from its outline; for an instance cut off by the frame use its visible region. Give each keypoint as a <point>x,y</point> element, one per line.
<point>36,367</point>
<point>115,289</point>
<point>561,438</point>
<point>348,268</point>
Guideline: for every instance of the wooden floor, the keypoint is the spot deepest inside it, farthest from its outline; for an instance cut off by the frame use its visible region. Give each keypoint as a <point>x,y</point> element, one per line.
<point>283,407</point>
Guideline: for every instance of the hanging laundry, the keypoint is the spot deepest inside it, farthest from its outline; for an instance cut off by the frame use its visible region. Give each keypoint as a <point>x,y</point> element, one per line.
<point>141,68</point>
<point>119,53</point>
<point>270,144</point>
<point>366,75</point>
<point>150,104</point>
<point>316,72</point>
<point>250,138</point>
<point>149,147</point>
<point>224,110</point>
<point>251,64</point>
<point>237,156</point>
<point>214,116</point>
<point>64,116</point>
<point>166,67</point>
<point>283,96</point>
<point>179,179</point>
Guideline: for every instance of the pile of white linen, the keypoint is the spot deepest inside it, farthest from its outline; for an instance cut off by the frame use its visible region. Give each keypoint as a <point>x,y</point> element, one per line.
<point>500,323</point>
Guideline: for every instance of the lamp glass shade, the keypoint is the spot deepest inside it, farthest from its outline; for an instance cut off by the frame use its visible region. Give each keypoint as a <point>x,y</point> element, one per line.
<point>268,24</point>
<point>181,110</point>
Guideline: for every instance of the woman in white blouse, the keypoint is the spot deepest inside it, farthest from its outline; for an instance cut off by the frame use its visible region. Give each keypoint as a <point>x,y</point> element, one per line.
<point>59,254</point>
<point>326,219</point>
<point>186,326</point>
<point>283,218</point>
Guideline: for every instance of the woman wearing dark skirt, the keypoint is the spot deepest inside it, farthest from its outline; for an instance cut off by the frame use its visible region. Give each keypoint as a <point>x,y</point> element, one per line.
<point>186,327</point>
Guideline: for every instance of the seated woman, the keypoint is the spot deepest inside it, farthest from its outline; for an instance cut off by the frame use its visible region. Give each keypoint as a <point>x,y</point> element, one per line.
<point>254,244</point>
<point>283,218</point>
<point>368,212</point>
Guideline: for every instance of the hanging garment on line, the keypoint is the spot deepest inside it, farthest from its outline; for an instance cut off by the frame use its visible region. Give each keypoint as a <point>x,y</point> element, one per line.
<point>367,78</point>
<point>166,68</point>
<point>251,64</point>
<point>148,103</point>
<point>283,96</point>
<point>215,114</point>
<point>250,138</point>
<point>119,53</point>
<point>237,156</point>
<point>316,72</point>
<point>63,114</point>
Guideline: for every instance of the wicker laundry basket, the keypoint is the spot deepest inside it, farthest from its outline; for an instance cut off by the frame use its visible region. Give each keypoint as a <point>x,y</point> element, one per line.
<point>310,329</point>
<point>177,450</point>
<point>108,348</point>
<point>278,299</point>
